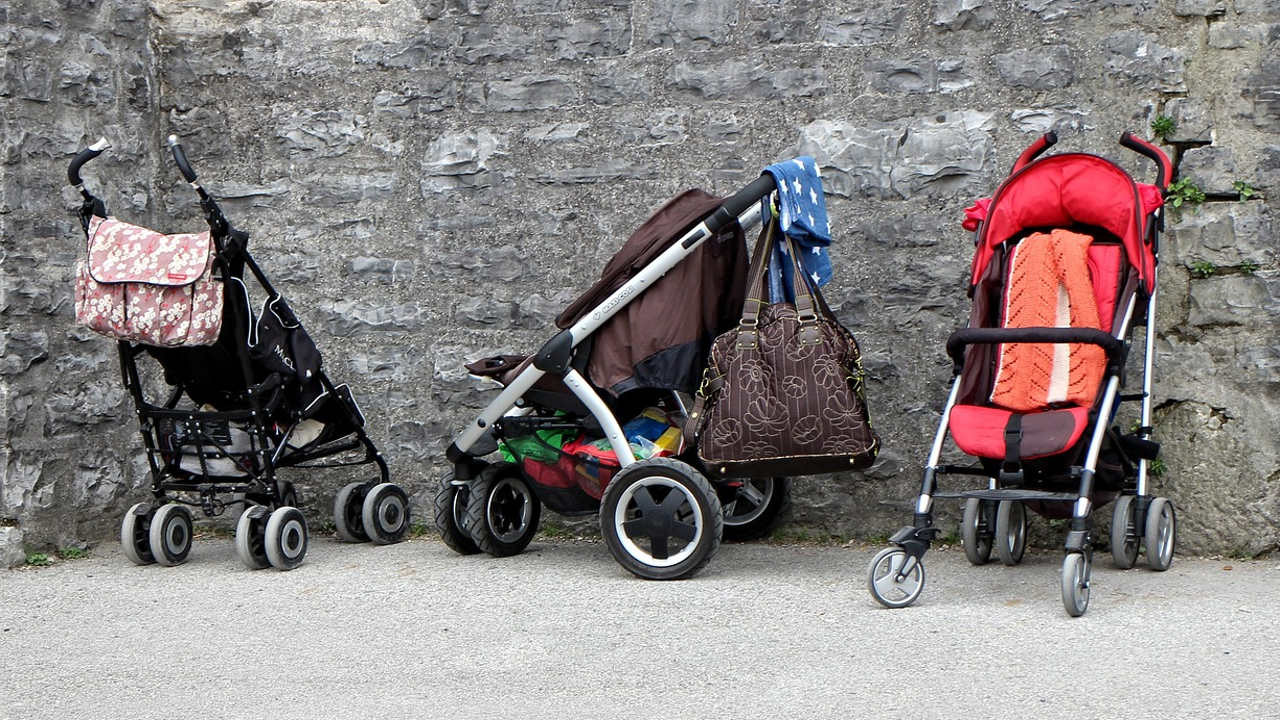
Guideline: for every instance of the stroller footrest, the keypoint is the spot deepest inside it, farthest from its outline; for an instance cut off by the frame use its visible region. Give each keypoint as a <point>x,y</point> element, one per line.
<point>1018,494</point>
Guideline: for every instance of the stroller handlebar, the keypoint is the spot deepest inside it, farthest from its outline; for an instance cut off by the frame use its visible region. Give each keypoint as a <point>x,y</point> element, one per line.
<point>1164,168</point>
<point>82,157</point>
<point>180,157</point>
<point>960,339</point>
<point>740,202</point>
<point>1033,151</point>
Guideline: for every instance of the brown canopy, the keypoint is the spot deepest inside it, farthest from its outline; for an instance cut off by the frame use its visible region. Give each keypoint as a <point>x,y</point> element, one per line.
<point>661,338</point>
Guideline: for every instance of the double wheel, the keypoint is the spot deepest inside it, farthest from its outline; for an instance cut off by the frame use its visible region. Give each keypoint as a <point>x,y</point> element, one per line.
<point>379,513</point>
<point>990,525</point>
<point>497,512</point>
<point>161,535</point>
<point>276,538</point>
<point>1157,530</point>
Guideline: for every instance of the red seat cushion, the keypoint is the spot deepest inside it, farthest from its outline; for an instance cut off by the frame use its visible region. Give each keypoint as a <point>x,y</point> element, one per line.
<point>979,431</point>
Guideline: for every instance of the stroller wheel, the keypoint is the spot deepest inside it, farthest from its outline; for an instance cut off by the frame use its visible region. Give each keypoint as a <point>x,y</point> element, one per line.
<point>450,512</point>
<point>502,511</point>
<point>135,534</point>
<point>1161,533</point>
<point>385,513</point>
<point>171,534</point>
<point>889,585</point>
<point>1011,531</point>
<point>1125,540</point>
<point>1076,567</point>
<point>756,508</point>
<point>251,535</point>
<point>286,538</point>
<point>661,519</point>
<point>975,531</point>
<point>348,513</point>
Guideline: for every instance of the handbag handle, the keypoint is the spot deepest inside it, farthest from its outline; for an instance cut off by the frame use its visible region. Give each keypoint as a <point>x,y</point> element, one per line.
<point>748,333</point>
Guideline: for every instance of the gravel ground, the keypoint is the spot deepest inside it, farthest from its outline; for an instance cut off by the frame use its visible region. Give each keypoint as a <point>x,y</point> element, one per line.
<point>563,632</point>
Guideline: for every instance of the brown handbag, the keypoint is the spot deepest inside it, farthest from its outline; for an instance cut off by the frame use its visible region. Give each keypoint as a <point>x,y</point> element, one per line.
<point>783,392</point>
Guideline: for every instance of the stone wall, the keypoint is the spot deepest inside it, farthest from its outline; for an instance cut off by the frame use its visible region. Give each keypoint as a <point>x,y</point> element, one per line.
<point>430,181</point>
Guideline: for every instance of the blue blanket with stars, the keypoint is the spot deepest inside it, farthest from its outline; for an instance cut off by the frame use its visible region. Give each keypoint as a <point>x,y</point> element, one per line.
<point>802,215</point>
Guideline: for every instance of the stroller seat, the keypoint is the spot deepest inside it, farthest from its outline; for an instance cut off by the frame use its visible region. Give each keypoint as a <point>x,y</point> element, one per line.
<point>984,429</point>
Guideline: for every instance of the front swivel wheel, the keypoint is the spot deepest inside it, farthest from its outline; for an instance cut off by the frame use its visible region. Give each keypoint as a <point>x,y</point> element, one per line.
<point>1076,567</point>
<point>894,578</point>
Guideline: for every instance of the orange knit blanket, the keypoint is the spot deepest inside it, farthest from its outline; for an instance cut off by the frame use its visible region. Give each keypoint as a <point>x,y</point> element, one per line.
<point>1049,286</point>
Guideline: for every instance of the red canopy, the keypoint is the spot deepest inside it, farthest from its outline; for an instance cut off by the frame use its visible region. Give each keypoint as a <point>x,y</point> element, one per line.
<point>1062,190</point>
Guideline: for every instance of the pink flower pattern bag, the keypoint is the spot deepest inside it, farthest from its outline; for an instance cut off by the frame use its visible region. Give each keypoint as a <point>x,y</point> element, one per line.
<point>143,286</point>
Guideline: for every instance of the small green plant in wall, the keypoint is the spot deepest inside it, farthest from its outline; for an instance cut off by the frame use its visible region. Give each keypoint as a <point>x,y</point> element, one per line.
<point>1249,267</point>
<point>1157,467</point>
<point>1245,190</point>
<point>1184,192</point>
<point>1163,126</point>
<point>38,559</point>
<point>1203,268</point>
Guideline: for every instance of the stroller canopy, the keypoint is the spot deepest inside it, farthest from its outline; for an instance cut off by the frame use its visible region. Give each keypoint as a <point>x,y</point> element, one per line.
<point>1072,189</point>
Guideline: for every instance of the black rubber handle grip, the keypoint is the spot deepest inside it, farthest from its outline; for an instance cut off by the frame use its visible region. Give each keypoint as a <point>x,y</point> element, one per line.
<point>1044,142</point>
<point>180,158</point>
<point>730,209</point>
<point>82,157</point>
<point>1164,168</point>
<point>959,339</point>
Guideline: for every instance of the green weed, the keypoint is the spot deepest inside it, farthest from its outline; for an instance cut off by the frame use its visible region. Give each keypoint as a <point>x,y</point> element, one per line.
<point>1245,189</point>
<point>1203,269</point>
<point>38,559</point>
<point>1184,192</point>
<point>72,553</point>
<point>1163,126</point>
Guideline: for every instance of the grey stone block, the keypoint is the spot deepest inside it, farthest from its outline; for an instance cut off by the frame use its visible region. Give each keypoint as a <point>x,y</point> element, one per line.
<point>1199,8</point>
<point>1193,120</point>
<point>938,156</point>
<point>1229,300</point>
<point>387,271</point>
<point>1138,58</point>
<point>1038,68</point>
<point>579,38</point>
<point>12,553</point>
<point>357,317</point>
<point>326,133</point>
<point>20,350</point>
<point>1041,120</point>
<point>1230,36</point>
<point>874,22</point>
<point>1224,234</point>
<point>459,161</point>
<point>532,92</point>
<point>690,24</point>
<point>963,14</point>
<point>1212,169</point>
<point>741,80</point>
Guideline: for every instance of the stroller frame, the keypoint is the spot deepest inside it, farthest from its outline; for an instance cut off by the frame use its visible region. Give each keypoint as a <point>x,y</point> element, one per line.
<point>896,575</point>
<point>556,358</point>
<point>271,530</point>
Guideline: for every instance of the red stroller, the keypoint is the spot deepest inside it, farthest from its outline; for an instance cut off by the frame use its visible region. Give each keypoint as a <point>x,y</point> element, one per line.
<point>1065,267</point>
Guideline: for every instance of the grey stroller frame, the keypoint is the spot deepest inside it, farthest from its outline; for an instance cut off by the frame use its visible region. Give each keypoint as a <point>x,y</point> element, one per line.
<point>660,517</point>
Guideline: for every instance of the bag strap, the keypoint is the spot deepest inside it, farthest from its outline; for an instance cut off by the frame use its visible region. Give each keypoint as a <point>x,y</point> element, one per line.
<point>748,336</point>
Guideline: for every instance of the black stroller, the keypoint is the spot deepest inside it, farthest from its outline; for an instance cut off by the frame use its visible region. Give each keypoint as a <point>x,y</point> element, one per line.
<point>622,369</point>
<point>248,402</point>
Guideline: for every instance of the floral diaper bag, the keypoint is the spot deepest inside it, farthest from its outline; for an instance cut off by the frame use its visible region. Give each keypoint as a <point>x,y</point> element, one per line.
<point>143,286</point>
